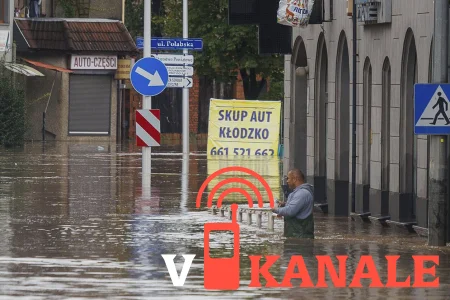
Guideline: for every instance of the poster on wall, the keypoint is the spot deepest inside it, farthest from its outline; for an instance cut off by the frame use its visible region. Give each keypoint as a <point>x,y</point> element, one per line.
<point>244,128</point>
<point>4,37</point>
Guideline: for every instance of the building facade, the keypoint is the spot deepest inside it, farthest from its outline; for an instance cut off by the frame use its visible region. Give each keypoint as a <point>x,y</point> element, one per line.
<point>79,97</point>
<point>392,163</point>
<point>100,9</point>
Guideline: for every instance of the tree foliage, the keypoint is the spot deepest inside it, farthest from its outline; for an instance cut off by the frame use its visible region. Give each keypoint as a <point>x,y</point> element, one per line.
<point>228,50</point>
<point>12,114</point>
<point>134,18</point>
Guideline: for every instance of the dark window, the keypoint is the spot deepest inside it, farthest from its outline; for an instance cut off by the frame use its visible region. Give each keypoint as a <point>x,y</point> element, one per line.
<point>4,11</point>
<point>243,12</point>
<point>317,13</point>
<point>275,39</point>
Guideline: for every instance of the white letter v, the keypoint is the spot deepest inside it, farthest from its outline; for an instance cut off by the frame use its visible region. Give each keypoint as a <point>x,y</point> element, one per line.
<point>170,264</point>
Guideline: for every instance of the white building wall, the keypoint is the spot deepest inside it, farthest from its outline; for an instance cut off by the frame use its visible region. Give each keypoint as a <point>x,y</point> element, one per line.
<point>376,42</point>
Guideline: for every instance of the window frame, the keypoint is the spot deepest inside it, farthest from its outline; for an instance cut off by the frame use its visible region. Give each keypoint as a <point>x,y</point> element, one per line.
<point>4,12</point>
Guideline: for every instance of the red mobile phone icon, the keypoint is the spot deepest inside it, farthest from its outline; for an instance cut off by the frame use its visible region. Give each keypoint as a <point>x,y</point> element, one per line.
<point>222,273</point>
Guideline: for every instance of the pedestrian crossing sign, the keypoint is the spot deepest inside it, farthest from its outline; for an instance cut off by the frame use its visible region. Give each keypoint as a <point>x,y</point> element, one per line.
<point>431,109</point>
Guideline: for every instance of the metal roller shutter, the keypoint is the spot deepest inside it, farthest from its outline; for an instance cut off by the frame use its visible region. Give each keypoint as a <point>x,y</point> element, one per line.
<point>89,104</point>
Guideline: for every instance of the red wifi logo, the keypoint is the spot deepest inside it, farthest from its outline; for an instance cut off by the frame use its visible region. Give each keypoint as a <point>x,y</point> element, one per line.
<point>223,273</point>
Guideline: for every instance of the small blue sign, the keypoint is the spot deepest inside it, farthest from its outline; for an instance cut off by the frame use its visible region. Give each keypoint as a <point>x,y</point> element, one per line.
<point>431,109</point>
<point>149,76</point>
<point>140,42</point>
<point>172,44</point>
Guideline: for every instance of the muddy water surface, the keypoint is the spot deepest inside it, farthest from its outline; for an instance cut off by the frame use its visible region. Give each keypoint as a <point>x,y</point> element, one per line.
<point>75,223</point>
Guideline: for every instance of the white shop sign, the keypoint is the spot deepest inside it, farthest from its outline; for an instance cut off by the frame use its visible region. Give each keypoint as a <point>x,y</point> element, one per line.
<point>93,62</point>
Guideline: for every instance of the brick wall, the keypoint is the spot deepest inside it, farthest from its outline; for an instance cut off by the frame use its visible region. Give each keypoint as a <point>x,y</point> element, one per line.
<point>239,88</point>
<point>193,105</point>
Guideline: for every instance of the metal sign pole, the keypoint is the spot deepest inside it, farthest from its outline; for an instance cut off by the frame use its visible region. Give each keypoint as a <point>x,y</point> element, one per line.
<point>185,90</point>
<point>147,100</point>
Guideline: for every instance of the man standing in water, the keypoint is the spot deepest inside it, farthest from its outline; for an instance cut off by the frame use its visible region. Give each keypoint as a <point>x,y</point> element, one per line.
<point>298,210</point>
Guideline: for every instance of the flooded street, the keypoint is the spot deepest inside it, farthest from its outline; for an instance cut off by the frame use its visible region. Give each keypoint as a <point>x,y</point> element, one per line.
<point>74,223</point>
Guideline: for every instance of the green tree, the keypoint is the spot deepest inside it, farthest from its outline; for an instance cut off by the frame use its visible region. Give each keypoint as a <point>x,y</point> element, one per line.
<point>228,50</point>
<point>12,113</point>
<point>134,17</point>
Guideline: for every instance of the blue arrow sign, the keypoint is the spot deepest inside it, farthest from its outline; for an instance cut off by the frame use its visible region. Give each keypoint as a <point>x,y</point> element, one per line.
<point>149,76</point>
<point>431,104</point>
<point>172,44</point>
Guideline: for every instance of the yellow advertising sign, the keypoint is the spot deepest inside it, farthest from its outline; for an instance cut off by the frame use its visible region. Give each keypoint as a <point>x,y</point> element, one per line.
<point>267,167</point>
<point>123,68</point>
<point>244,128</point>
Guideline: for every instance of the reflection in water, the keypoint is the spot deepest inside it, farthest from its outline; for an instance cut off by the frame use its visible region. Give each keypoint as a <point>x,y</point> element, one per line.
<point>184,184</point>
<point>75,222</point>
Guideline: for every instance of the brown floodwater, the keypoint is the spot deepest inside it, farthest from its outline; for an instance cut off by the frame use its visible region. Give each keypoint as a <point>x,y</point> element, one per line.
<point>75,223</point>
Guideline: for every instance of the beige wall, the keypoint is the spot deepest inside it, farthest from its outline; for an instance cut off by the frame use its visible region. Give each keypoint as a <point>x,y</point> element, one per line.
<point>37,92</point>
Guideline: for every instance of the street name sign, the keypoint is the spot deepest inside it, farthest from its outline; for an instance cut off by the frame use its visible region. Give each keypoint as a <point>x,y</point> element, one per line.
<point>431,104</point>
<point>194,44</point>
<point>140,42</point>
<point>149,76</point>
<point>174,59</point>
<point>180,82</point>
<point>180,71</point>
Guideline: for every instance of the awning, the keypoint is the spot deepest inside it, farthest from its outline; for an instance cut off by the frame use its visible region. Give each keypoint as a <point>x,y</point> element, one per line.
<point>23,69</point>
<point>47,66</point>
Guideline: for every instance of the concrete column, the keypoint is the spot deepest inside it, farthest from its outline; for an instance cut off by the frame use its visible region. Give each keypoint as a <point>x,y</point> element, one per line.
<point>438,150</point>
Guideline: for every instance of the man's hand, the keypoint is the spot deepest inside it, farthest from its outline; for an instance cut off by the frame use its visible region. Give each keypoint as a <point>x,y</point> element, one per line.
<point>274,210</point>
<point>281,204</point>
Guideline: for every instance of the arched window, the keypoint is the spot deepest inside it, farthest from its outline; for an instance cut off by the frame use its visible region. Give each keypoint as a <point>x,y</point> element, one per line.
<point>367,119</point>
<point>385,128</point>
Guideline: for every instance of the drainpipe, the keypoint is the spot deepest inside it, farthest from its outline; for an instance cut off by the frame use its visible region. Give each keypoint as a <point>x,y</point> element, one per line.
<point>355,55</point>
<point>119,124</point>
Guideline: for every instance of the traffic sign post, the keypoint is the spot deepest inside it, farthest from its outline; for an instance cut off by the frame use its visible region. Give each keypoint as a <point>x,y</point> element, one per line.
<point>149,76</point>
<point>431,104</point>
<point>147,100</point>
<point>175,59</point>
<point>148,128</point>
<point>185,90</point>
<point>178,76</point>
<point>180,82</point>
<point>180,71</point>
